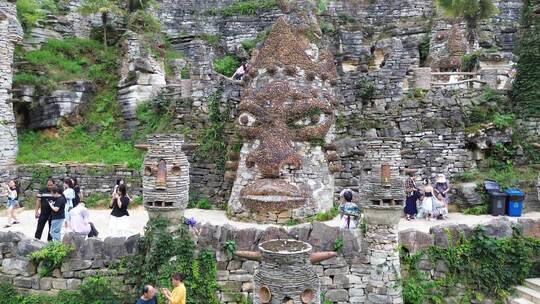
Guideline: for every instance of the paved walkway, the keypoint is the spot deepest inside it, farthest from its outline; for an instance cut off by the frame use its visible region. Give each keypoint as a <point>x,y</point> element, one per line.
<point>139,217</point>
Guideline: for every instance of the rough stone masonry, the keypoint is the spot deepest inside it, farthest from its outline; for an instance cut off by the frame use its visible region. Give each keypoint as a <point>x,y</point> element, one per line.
<point>10,34</point>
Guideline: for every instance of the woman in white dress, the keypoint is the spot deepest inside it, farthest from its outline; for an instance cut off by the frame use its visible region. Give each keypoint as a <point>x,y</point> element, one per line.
<point>69,195</point>
<point>119,221</point>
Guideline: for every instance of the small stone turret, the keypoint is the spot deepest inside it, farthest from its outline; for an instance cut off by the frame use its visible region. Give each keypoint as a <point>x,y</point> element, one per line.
<point>165,176</point>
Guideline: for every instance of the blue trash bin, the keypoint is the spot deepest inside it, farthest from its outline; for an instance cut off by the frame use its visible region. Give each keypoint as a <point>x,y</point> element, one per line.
<point>514,202</point>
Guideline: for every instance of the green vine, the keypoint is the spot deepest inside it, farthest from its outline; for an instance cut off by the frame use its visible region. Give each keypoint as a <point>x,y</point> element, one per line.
<point>50,257</point>
<point>162,252</point>
<point>481,266</point>
<point>526,89</point>
<point>212,144</point>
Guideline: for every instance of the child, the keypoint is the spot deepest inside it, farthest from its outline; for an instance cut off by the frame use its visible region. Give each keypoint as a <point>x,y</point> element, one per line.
<point>426,207</point>
<point>349,212</point>
<point>12,203</point>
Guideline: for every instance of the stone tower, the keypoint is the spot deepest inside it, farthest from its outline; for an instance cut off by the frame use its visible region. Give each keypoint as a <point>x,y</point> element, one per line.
<point>10,34</point>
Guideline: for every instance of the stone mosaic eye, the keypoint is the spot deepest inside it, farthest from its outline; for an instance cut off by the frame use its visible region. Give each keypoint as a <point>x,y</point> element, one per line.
<point>147,170</point>
<point>308,296</point>
<point>265,295</point>
<point>311,120</point>
<point>247,120</point>
<point>176,170</point>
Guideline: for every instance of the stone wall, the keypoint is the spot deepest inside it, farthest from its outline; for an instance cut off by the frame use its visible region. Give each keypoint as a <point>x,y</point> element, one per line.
<point>93,178</point>
<point>91,257</point>
<point>444,236</point>
<point>10,34</point>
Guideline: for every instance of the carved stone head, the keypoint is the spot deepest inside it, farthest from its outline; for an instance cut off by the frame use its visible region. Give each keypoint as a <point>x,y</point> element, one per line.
<point>165,176</point>
<point>286,119</point>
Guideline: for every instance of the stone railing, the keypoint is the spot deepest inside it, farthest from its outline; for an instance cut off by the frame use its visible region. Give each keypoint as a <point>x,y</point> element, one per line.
<point>424,78</point>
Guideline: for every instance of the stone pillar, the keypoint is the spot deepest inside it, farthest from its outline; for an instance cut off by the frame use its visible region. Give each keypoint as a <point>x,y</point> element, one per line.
<point>384,286</point>
<point>490,77</point>
<point>422,78</point>
<point>10,34</point>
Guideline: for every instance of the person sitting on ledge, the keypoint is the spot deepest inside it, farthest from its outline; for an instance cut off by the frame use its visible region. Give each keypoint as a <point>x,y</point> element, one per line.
<point>148,295</point>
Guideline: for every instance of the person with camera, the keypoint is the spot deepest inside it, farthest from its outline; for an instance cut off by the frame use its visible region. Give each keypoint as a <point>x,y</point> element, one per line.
<point>12,203</point>
<point>57,213</point>
<point>43,209</point>
<point>119,221</point>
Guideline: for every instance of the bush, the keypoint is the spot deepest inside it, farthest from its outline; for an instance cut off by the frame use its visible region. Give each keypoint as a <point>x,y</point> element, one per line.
<point>226,65</point>
<point>28,13</point>
<point>204,203</point>
<point>469,62</point>
<point>97,200</point>
<point>8,294</point>
<point>50,257</point>
<point>244,7</point>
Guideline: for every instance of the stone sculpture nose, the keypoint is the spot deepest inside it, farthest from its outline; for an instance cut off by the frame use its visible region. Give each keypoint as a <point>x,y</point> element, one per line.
<point>275,152</point>
<point>161,179</point>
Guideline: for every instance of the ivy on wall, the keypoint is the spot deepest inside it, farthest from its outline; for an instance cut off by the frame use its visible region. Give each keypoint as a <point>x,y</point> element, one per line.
<point>163,252</point>
<point>478,267</point>
<point>526,89</point>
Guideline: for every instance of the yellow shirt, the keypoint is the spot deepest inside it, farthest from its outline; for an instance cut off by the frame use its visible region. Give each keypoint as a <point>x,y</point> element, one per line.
<point>178,295</point>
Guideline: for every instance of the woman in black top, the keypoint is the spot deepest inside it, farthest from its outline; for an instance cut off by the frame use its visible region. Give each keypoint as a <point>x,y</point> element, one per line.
<point>78,195</point>
<point>119,222</point>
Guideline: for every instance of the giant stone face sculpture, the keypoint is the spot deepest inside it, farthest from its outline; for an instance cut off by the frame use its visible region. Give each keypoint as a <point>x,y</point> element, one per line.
<point>286,121</point>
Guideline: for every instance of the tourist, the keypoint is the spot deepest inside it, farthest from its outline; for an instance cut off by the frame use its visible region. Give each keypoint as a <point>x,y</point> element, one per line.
<point>12,203</point>
<point>119,221</point>
<point>79,220</point>
<point>178,296</point>
<point>43,209</point>
<point>78,194</point>
<point>442,187</point>
<point>119,182</point>
<point>426,207</point>
<point>349,211</point>
<point>440,208</point>
<point>69,195</point>
<point>58,207</point>
<point>148,295</point>
<point>412,195</point>
<point>240,72</point>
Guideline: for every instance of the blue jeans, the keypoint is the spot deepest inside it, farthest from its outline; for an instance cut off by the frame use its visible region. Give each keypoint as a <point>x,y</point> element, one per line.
<point>56,229</point>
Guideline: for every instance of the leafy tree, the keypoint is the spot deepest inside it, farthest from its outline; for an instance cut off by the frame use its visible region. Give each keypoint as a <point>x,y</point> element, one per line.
<point>472,11</point>
<point>103,7</point>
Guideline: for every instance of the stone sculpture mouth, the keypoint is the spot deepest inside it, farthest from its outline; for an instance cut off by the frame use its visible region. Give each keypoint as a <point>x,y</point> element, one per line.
<point>272,195</point>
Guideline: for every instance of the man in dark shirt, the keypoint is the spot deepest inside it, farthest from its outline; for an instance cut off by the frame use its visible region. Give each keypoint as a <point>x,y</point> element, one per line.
<point>57,214</point>
<point>148,295</point>
<point>43,210</point>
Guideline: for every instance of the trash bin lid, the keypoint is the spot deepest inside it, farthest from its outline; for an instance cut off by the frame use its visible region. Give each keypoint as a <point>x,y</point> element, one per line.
<point>514,192</point>
<point>497,193</point>
<point>491,185</point>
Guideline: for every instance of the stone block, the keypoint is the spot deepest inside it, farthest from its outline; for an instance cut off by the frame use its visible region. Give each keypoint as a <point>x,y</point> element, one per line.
<point>75,265</point>
<point>531,227</point>
<point>45,283</point>
<point>26,282</point>
<point>113,247</point>
<point>60,284</point>
<point>250,266</point>
<point>230,285</point>
<point>499,228</point>
<point>337,295</point>
<point>414,240</point>
<point>240,277</point>
<point>27,246</point>
<point>73,284</point>
<point>15,266</point>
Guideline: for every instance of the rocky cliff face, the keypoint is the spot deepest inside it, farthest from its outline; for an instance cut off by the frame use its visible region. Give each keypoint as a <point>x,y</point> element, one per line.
<point>10,34</point>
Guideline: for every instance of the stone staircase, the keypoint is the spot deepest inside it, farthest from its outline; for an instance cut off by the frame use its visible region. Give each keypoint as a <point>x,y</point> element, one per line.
<point>529,293</point>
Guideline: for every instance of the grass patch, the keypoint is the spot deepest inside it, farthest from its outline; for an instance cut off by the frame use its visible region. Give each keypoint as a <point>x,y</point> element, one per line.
<point>66,60</point>
<point>226,65</point>
<point>97,138</point>
<point>244,7</point>
<point>327,215</point>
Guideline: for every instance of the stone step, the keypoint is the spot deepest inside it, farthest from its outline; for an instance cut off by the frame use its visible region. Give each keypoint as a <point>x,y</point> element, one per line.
<point>528,294</point>
<point>520,301</point>
<point>533,284</point>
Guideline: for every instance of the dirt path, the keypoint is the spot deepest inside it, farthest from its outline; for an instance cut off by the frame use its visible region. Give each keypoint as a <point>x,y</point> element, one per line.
<point>139,217</point>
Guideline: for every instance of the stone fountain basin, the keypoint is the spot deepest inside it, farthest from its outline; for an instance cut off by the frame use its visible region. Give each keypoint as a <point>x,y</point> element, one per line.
<point>285,247</point>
